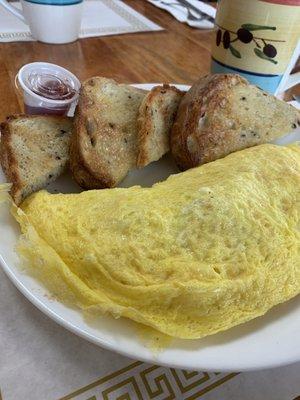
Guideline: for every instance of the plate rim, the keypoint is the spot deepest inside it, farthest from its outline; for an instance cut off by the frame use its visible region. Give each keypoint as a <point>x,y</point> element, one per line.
<point>99,341</point>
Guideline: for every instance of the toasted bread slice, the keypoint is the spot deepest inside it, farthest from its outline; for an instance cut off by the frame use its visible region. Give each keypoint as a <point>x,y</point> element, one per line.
<point>104,145</point>
<point>34,150</point>
<point>156,116</point>
<point>81,175</point>
<point>223,113</point>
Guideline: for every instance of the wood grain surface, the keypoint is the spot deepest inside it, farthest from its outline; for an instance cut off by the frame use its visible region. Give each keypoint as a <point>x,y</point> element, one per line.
<point>178,54</point>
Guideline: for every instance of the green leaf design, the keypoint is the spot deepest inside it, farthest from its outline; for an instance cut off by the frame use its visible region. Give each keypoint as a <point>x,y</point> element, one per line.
<point>253,27</point>
<point>235,52</point>
<point>260,54</point>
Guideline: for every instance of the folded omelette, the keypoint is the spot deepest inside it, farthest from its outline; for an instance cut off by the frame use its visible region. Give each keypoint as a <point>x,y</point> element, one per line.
<point>203,251</point>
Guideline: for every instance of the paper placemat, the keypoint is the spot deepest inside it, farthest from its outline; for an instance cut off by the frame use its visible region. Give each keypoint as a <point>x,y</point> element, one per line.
<point>100,18</point>
<point>39,360</point>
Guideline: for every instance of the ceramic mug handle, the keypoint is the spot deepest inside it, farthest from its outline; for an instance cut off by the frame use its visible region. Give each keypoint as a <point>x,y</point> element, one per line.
<point>13,10</point>
<point>289,80</point>
<point>292,80</point>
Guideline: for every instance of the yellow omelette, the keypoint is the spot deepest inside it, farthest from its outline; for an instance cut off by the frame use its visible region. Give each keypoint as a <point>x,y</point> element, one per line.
<point>203,251</point>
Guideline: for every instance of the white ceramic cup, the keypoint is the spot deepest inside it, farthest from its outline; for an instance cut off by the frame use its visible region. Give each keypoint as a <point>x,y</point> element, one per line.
<point>50,21</point>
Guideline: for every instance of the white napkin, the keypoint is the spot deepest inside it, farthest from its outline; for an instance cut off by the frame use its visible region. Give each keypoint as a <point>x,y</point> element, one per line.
<point>100,18</point>
<point>193,12</point>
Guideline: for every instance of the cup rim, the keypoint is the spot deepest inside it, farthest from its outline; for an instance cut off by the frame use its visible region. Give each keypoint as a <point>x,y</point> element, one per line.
<point>20,77</point>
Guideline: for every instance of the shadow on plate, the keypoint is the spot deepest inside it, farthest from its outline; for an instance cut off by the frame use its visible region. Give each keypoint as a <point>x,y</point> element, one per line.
<point>155,172</point>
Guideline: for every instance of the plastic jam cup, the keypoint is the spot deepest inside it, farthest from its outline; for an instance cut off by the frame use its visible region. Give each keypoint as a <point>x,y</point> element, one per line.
<point>47,88</point>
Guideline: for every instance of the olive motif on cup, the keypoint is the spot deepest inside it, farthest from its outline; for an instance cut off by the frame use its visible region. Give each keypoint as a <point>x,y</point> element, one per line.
<point>263,48</point>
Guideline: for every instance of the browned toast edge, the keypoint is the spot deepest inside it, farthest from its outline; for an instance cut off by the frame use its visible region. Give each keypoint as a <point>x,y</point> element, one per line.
<point>82,171</point>
<point>7,159</point>
<point>79,169</point>
<point>145,121</point>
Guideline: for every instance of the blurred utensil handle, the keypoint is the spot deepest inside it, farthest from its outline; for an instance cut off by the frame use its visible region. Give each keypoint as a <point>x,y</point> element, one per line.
<point>15,11</point>
<point>190,7</point>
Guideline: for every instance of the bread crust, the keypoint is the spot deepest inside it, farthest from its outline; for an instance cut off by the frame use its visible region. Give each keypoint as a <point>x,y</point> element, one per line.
<point>146,124</point>
<point>89,167</point>
<point>80,173</point>
<point>193,107</point>
<point>212,120</point>
<point>8,160</point>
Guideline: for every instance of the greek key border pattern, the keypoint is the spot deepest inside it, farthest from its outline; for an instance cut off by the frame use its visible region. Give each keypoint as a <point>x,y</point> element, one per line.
<point>140,381</point>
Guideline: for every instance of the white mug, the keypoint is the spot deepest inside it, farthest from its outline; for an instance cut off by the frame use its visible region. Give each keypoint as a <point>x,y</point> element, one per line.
<point>50,21</point>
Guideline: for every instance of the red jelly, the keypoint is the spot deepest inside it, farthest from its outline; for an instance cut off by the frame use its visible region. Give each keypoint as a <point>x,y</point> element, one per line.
<point>48,89</point>
<point>32,110</point>
<point>51,86</point>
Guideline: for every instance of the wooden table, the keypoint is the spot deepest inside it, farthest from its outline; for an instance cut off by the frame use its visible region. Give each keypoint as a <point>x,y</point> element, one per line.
<point>178,54</point>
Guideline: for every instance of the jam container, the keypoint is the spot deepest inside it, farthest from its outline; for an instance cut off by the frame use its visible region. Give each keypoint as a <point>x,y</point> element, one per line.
<point>48,89</point>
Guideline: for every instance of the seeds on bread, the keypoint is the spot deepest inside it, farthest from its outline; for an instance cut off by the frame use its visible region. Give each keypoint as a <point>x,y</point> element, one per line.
<point>104,144</point>
<point>34,151</point>
<point>156,116</point>
<point>223,113</point>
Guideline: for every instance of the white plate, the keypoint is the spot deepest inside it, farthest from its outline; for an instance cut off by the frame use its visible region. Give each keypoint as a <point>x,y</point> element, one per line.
<point>265,342</point>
